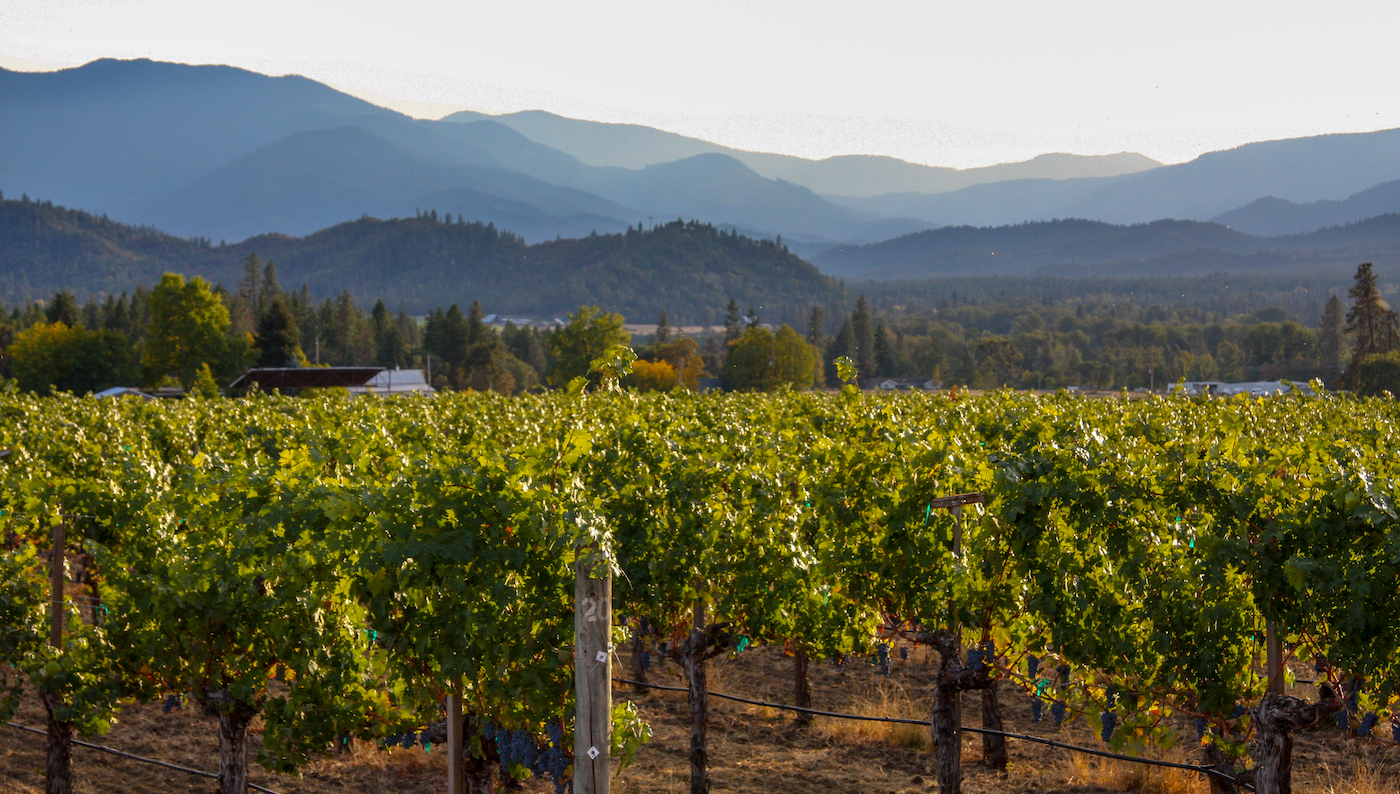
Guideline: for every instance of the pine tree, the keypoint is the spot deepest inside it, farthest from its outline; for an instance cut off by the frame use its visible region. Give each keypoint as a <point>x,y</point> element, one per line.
<point>863,335</point>
<point>277,340</point>
<point>732,329</point>
<point>884,353</point>
<point>1330,337</point>
<point>63,308</point>
<point>663,328</point>
<point>1371,322</point>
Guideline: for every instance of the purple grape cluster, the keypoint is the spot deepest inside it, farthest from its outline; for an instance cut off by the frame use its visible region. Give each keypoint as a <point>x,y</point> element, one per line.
<point>1032,666</point>
<point>172,703</point>
<point>1367,723</point>
<point>1037,709</point>
<point>646,660</point>
<point>904,652</point>
<point>882,656</point>
<point>1110,722</point>
<point>1200,728</point>
<point>1057,711</point>
<point>974,659</point>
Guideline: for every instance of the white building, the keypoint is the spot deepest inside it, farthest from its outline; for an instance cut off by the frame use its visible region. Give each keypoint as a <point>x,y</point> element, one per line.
<point>396,381</point>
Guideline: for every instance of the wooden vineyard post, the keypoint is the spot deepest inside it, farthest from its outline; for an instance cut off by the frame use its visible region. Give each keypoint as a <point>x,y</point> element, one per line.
<point>953,678</point>
<point>58,741</point>
<point>1273,648</point>
<point>592,679</point>
<point>454,739</point>
<point>56,580</point>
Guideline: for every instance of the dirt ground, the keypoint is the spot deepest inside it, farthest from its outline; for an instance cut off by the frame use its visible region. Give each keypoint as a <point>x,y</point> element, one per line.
<point>752,748</point>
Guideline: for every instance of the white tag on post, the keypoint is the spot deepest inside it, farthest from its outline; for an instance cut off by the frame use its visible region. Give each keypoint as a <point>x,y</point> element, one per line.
<point>593,753</point>
<point>602,656</point>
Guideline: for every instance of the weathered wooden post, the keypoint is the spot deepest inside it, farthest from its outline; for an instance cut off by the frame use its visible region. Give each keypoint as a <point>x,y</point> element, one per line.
<point>454,739</point>
<point>58,741</point>
<point>592,678</point>
<point>1273,649</point>
<point>953,678</point>
<point>57,576</point>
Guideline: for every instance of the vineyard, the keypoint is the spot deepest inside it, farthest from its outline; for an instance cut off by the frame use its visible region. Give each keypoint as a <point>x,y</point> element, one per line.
<point>341,569</point>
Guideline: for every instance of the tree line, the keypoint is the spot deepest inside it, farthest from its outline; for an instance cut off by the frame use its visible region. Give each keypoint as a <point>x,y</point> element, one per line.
<point>189,333</point>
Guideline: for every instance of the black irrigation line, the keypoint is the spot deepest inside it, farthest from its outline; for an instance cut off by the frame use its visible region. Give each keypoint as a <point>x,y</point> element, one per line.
<point>142,759</point>
<point>1205,770</point>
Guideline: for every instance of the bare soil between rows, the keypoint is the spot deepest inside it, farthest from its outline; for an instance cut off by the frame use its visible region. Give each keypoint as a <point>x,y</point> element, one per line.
<point>752,748</point>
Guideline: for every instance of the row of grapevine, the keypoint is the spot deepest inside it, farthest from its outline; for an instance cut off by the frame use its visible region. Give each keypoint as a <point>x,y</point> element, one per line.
<point>339,567</point>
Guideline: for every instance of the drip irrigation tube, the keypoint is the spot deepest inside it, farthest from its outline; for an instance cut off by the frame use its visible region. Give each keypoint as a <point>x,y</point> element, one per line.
<point>142,759</point>
<point>1204,770</point>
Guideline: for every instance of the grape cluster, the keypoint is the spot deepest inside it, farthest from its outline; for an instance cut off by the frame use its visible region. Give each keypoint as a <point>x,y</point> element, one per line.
<point>1057,711</point>
<point>882,655</point>
<point>1395,729</point>
<point>1343,720</point>
<point>1110,722</point>
<point>1367,723</point>
<point>172,703</point>
<point>1237,712</point>
<point>405,740</point>
<point>904,653</point>
<point>522,747</point>
<point>974,659</point>
<point>1037,709</point>
<point>1200,728</point>
<point>516,747</point>
<point>646,660</point>
<point>1032,666</point>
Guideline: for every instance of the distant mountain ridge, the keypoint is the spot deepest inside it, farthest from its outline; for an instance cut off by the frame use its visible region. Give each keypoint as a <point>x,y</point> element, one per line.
<point>225,153</point>
<point>1272,216</point>
<point>691,270</point>
<point>635,146</point>
<point>1083,247</point>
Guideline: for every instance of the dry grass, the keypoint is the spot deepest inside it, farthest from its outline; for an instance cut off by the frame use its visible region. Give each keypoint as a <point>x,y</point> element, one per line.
<point>752,748</point>
<point>886,700</point>
<point>1081,769</point>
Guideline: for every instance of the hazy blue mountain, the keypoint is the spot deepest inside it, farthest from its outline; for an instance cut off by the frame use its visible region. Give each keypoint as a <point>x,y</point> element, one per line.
<point>688,269</point>
<point>1082,247</point>
<point>312,180</point>
<point>720,189</point>
<point>112,132</point>
<point>635,146</point>
<point>224,153</point>
<point>1272,216</point>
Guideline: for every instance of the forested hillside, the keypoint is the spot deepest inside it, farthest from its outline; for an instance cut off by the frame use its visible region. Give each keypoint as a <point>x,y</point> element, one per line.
<point>691,270</point>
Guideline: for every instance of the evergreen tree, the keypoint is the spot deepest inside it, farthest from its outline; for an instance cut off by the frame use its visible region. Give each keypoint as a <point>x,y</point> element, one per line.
<point>277,339</point>
<point>1372,324</point>
<point>732,329</point>
<point>1329,337</point>
<point>663,328</point>
<point>863,337</point>
<point>816,338</point>
<point>270,289</point>
<point>63,308</point>
<point>751,320</point>
<point>884,354</point>
<point>844,344</point>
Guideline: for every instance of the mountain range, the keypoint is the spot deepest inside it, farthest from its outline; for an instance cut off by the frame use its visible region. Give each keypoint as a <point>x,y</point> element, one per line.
<point>690,269</point>
<point>227,154</point>
<point>1095,248</point>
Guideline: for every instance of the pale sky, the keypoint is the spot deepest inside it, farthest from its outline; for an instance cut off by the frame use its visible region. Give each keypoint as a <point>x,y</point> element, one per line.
<point>944,83</point>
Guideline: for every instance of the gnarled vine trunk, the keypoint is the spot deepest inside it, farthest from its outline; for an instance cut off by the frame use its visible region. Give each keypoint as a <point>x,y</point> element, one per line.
<point>945,722</point>
<point>234,717</point>
<point>801,690</point>
<point>1275,718</point>
<point>639,671</point>
<point>993,745</point>
<point>1216,760</point>
<point>704,643</point>
<point>58,750</point>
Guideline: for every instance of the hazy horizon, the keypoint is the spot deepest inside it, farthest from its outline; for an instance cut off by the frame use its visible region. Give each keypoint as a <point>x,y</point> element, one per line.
<point>946,86</point>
